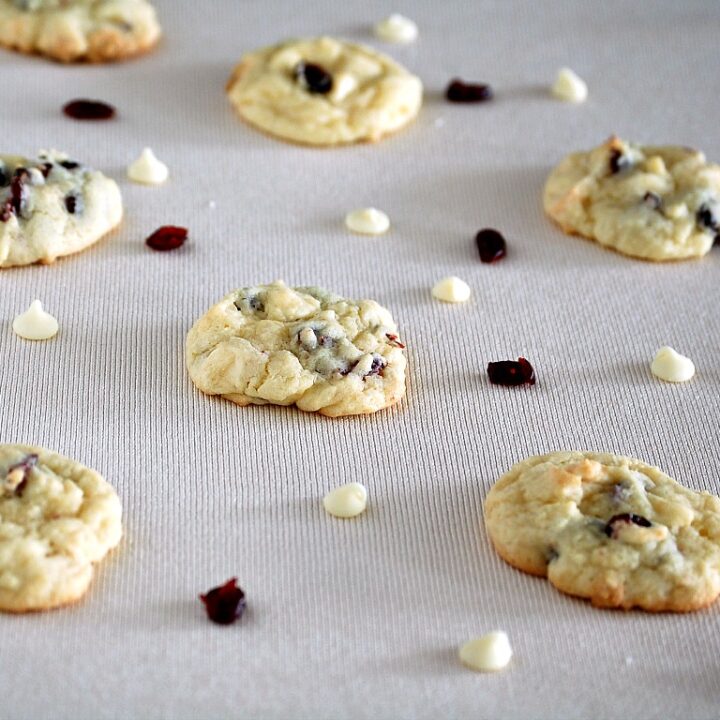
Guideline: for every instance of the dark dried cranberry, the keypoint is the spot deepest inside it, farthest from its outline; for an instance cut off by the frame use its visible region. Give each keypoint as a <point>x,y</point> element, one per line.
<point>4,177</point>
<point>394,340</point>
<point>707,219</point>
<point>225,603</point>
<point>491,245</point>
<point>168,237</point>
<point>74,204</point>
<point>376,367</point>
<point>89,110</point>
<point>618,161</point>
<point>69,164</point>
<point>462,92</point>
<point>315,78</point>
<point>26,464</point>
<point>511,372</point>
<point>45,168</point>
<point>652,200</point>
<point>625,518</point>
<point>13,205</point>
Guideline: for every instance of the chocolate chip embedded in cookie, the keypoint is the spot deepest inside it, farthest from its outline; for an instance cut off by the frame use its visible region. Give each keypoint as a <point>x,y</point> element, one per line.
<point>653,203</point>
<point>57,518</point>
<point>298,346</point>
<point>52,206</point>
<point>610,529</point>
<point>324,91</point>
<point>79,30</point>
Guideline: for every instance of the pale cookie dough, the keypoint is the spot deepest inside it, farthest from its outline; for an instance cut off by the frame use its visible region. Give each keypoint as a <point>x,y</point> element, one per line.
<point>79,30</point>
<point>324,92</point>
<point>52,206</point>
<point>653,203</point>
<point>610,529</point>
<point>57,518</point>
<point>302,346</point>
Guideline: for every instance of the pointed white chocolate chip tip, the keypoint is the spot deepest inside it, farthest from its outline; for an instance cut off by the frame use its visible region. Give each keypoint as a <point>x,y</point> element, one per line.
<point>35,323</point>
<point>147,169</point>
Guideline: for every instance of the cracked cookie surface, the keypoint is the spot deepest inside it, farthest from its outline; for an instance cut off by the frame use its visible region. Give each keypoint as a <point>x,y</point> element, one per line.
<point>324,91</point>
<point>52,206</point>
<point>652,203</point>
<point>79,30</point>
<point>57,518</point>
<point>298,346</point>
<point>610,529</point>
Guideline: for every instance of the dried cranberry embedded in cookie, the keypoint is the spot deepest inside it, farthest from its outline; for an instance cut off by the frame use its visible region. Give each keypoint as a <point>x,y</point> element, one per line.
<point>225,603</point>
<point>511,372</point>
<point>491,245</point>
<point>707,219</point>
<point>315,78</point>
<point>89,110</point>
<point>13,205</point>
<point>74,204</point>
<point>168,237</point>
<point>461,92</point>
<point>18,474</point>
<point>4,177</point>
<point>377,366</point>
<point>394,340</point>
<point>619,161</point>
<point>629,518</point>
<point>652,200</point>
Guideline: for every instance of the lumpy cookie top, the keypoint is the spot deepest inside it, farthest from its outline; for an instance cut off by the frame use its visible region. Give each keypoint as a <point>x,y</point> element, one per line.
<point>52,206</point>
<point>324,92</point>
<point>57,518</point>
<point>302,346</point>
<point>611,529</point>
<point>654,203</point>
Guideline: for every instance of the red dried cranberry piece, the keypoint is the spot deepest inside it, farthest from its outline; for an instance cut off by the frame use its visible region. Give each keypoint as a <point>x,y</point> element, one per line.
<point>89,110</point>
<point>625,518</point>
<point>394,340</point>
<point>26,464</point>
<point>13,204</point>
<point>316,79</point>
<point>511,372</point>
<point>491,245</point>
<point>74,204</point>
<point>462,92</point>
<point>706,218</point>
<point>376,367</point>
<point>168,237</point>
<point>225,603</point>
<point>618,161</point>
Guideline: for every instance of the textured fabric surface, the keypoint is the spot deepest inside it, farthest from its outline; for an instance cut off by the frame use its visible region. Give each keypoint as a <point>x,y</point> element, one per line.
<point>362,618</point>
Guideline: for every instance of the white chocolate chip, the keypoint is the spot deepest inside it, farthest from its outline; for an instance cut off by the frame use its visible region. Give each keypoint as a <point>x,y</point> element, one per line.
<point>346,501</point>
<point>147,169</point>
<point>488,653</point>
<point>676,211</point>
<point>343,85</point>
<point>35,323</point>
<point>451,289</point>
<point>367,221</point>
<point>569,87</point>
<point>671,366</point>
<point>397,29</point>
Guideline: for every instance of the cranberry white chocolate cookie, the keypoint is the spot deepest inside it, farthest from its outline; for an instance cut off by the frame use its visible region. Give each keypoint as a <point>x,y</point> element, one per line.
<point>52,206</point>
<point>324,91</point>
<point>57,518</point>
<point>610,529</point>
<point>298,346</point>
<point>79,30</point>
<point>653,203</point>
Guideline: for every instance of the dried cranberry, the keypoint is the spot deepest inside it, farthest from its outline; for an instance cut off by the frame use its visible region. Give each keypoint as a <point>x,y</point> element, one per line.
<point>625,518</point>
<point>491,245</point>
<point>13,205</point>
<point>4,177</point>
<point>707,219</point>
<point>316,79</point>
<point>462,92</point>
<point>89,110</point>
<point>652,200</point>
<point>618,161</point>
<point>74,204</point>
<point>168,237</point>
<point>225,603</point>
<point>26,464</point>
<point>70,164</point>
<point>394,340</point>
<point>511,372</point>
<point>376,367</point>
<point>45,168</point>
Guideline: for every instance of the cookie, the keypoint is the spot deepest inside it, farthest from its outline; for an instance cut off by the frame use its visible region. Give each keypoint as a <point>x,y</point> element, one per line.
<point>57,518</point>
<point>52,206</point>
<point>298,346</point>
<point>610,529</point>
<point>324,92</point>
<point>79,30</point>
<point>653,203</point>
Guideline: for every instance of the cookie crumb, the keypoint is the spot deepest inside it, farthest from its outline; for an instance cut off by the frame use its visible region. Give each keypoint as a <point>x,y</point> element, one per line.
<point>35,323</point>
<point>397,29</point>
<point>367,221</point>
<point>452,290</point>
<point>670,366</point>
<point>489,653</point>
<point>346,501</point>
<point>569,87</point>
<point>147,169</point>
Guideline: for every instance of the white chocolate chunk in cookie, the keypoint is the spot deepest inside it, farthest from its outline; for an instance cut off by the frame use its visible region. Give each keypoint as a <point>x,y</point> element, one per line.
<point>568,86</point>
<point>35,323</point>
<point>670,366</point>
<point>324,91</point>
<point>652,203</point>
<point>489,653</point>
<point>298,346</point>
<point>346,501</point>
